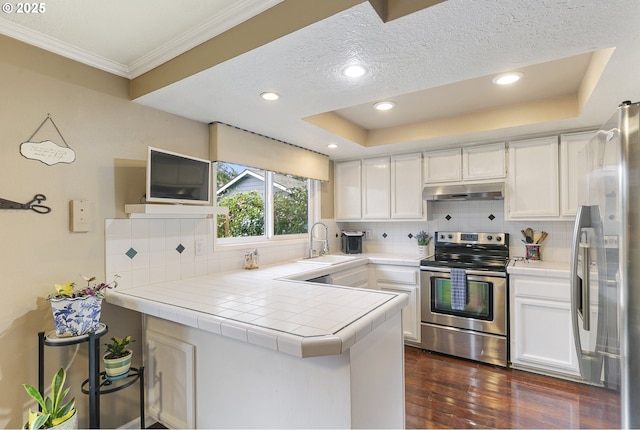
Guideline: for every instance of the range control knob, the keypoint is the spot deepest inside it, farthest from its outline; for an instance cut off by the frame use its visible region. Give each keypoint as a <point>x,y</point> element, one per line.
<point>499,239</point>
<point>450,236</point>
<point>489,237</point>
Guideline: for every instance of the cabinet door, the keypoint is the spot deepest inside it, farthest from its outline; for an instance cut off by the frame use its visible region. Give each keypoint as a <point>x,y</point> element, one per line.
<point>411,313</point>
<point>541,327</point>
<point>570,145</point>
<point>376,188</point>
<point>533,179</point>
<point>348,190</point>
<point>402,279</point>
<point>484,162</point>
<point>443,166</point>
<point>406,186</point>
<point>170,380</point>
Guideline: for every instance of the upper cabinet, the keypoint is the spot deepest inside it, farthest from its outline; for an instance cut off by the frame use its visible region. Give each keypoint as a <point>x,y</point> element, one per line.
<point>484,162</point>
<point>442,166</point>
<point>533,190</point>
<point>570,146</point>
<point>406,186</point>
<point>543,177</point>
<point>376,186</point>
<point>381,188</point>
<point>465,164</point>
<point>348,190</point>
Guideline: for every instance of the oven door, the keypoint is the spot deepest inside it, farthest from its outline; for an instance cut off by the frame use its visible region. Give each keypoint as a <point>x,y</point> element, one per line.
<point>485,307</point>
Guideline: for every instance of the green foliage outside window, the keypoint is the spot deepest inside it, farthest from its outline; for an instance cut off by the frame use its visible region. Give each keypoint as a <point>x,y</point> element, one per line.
<point>246,215</point>
<point>290,212</point>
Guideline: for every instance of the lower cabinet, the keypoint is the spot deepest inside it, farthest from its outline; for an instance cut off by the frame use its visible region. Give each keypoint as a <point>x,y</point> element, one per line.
<point>170,375</point>
<point>405,280</point>
<point>356,277</point>
<point>541,331</point>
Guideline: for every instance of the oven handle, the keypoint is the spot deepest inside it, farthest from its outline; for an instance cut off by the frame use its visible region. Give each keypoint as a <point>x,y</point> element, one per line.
<point>467,271</point>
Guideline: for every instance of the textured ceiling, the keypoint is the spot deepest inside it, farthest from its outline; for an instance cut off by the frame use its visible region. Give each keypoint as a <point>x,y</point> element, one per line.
<point>434,63</point>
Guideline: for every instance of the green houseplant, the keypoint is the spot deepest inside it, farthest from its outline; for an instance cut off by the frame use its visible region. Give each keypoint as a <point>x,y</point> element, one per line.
<point>117,360</point>
<point>423,241</point>
<point>77,311</point>
<point>54,411</point>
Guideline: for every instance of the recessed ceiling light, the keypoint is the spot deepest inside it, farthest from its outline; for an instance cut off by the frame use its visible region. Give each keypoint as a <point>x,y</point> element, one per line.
<point>270,96</point>
<point>384,105</point>
<point>507,78</point>
<point>332,146</point>
<point>354,71</point>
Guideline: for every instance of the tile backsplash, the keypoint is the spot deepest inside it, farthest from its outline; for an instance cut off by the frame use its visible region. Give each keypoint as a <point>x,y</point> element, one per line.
<point>148,251</point>
<point>469,216</point>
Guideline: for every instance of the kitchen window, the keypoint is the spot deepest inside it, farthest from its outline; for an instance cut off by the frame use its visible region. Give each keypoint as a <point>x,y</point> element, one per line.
<point>262,204</point>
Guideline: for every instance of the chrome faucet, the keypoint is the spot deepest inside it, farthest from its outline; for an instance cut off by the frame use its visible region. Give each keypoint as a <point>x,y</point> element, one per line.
<point>325,248</point>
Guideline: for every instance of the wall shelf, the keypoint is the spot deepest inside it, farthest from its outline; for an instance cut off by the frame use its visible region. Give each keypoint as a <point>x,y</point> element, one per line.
<point>159,210</point>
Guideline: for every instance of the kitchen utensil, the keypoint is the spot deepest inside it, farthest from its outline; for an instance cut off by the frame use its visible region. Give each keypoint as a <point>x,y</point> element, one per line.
<point>529,232</point>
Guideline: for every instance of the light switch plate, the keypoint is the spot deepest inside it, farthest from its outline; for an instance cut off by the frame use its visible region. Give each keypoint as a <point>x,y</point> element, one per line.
<point>79,216</point>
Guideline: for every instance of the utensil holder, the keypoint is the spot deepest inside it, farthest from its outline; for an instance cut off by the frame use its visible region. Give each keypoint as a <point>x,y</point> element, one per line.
<point>533,251</point>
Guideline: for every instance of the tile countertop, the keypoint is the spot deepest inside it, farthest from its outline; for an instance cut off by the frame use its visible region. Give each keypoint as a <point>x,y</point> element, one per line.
<point>539,268</point>
<point>267,307</point>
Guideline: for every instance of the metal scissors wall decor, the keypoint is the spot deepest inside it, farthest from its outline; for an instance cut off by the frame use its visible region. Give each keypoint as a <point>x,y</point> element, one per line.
<point>35,204</point>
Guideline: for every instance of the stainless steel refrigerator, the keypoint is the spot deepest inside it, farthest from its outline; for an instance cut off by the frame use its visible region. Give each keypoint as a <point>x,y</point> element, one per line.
<point>605,261</point>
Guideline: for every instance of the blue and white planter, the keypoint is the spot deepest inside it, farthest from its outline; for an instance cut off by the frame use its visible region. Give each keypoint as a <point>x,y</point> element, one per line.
<point>76,316</point>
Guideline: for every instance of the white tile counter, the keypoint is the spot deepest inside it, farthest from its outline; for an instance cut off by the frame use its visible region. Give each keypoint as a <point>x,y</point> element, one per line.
<point>539,268</point>
<point>264,308</point>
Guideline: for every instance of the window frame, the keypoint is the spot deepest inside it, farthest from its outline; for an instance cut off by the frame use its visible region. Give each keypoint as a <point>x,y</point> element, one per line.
<point>313,214</point>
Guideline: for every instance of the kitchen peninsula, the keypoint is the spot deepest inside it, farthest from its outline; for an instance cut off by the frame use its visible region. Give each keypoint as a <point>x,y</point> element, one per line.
<point>264,348</point>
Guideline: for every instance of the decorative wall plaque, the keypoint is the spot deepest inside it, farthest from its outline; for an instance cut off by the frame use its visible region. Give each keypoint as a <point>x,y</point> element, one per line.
<point>47,151</point>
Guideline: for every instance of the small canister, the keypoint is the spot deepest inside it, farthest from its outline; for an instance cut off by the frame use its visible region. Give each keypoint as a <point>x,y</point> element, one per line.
<point>533,251</point>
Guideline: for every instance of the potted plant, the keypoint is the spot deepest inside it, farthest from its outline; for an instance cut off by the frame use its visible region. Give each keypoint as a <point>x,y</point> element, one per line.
<point>423,242</point>
<point>76,312</point>
<point>117,360</point>
<point>54,413</point>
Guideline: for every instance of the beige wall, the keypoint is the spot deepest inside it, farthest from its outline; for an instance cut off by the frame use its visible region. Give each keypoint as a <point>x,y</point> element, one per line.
<point>106,131</point>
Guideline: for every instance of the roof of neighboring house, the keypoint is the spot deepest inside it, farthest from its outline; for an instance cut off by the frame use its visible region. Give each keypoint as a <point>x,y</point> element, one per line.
<point>280,181</point>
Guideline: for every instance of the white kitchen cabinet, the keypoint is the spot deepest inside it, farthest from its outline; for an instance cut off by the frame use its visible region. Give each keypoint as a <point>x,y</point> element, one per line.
<point>533,191</point>
<point>376,188</point>
<point>570,146</point>
<point>406,186</point>
<point>484,162</point>
<point>381,189</point>
<point>541,327</point>
<point>348,190</point>
<point>405,280</point>
<point>354,277</point>
<point>442,166</point>
<point>170,378</point>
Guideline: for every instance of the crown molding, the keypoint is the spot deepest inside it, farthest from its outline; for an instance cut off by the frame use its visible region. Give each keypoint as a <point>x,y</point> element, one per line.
<point>64,49</point>
<point>238,12</point>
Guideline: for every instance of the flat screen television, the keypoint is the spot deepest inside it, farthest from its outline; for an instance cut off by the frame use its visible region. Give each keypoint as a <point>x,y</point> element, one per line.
<point>177,178</point>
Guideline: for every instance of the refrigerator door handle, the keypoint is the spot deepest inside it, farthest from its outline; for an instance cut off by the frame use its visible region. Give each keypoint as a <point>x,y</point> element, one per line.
<point>585,310</point>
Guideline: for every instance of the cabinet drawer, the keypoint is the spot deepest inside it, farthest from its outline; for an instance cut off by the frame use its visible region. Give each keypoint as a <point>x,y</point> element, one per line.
<point>542,287</point>
<point>397,275</point>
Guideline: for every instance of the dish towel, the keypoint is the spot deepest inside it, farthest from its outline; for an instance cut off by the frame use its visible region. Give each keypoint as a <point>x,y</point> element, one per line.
<point>458,289</point>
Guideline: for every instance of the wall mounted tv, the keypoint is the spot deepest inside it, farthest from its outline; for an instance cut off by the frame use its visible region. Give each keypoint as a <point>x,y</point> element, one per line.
<point>177,178</point>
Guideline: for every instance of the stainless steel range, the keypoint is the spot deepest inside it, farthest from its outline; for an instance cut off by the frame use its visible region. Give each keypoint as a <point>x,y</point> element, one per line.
<point>464,296</point>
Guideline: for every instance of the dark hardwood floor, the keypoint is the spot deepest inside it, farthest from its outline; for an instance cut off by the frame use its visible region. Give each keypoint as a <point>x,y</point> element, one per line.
<point>445,392</point>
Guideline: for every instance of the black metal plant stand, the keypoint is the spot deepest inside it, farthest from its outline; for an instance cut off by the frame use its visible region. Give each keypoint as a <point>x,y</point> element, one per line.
<point>97,383</point>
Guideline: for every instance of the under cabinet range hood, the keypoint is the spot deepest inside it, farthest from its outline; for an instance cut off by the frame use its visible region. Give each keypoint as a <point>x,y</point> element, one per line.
<point>486,191</point>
